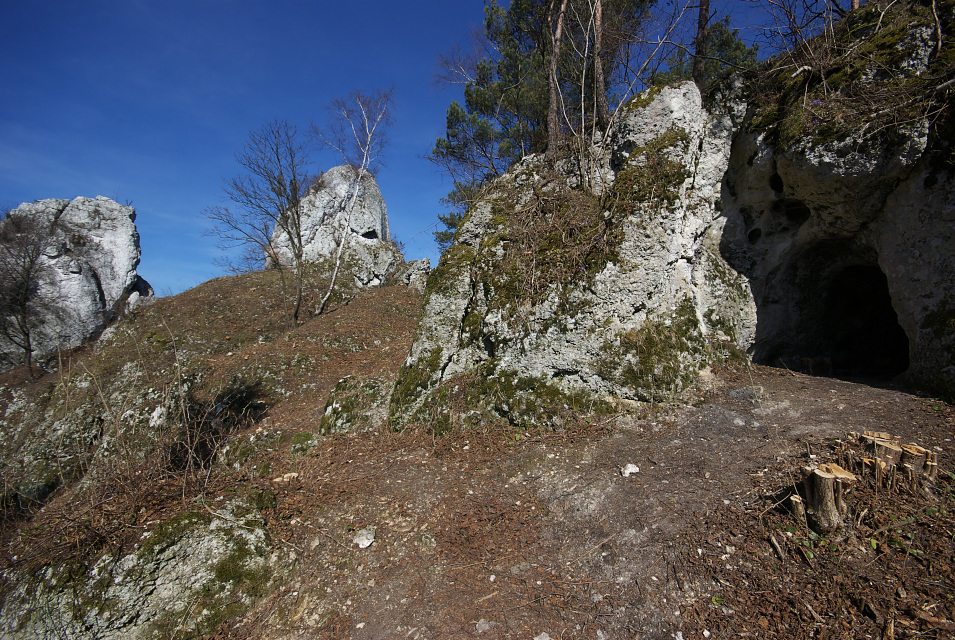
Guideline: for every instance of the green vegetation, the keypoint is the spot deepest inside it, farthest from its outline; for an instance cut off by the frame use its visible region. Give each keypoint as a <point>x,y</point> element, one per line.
<point>858,80</point>
<point>727,55</point>
<point>412,381</point>
<point>452,263</point>
<point>509,108</point>
<point>659,359</point>
<point>171,531</point>
<point>490,396</point>
<point>349,403</point>
<point>560,238</point>
<point>651,176</point>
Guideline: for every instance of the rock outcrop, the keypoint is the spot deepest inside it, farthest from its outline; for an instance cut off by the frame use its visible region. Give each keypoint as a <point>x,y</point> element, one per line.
<point>186,577</point>
<point>840,208</point>
<point>703,234</point>
<point>551,291</point>
<point>87,272</point>
<point>370,255</point>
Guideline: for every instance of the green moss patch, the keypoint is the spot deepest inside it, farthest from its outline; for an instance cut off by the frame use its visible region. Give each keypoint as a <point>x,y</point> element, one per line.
<point>659,359</point>
<point>853,81</point>
<point>412,381</point>
<point>651,175</point>
<point>350,405</point>
<point>457,258</point>
<point>502,398</point>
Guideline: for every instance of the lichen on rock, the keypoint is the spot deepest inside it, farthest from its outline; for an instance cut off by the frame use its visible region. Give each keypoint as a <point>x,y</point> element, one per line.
<point>545,274</point>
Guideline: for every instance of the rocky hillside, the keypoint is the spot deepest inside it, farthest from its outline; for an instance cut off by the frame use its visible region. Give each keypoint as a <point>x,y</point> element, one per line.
<point>565,435</point>
<point>226,480</point>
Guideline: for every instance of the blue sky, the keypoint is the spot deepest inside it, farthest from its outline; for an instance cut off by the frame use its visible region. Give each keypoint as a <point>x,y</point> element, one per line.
<point>148,100</point>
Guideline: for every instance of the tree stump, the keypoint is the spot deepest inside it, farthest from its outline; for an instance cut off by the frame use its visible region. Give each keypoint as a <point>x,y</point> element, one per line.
<point>825,494</point>
<point>884,447</point>
<point>798,508</point>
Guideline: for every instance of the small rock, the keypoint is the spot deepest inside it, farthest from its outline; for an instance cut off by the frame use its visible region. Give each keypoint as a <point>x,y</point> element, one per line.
<point>365,537</point>
<point>747,393</point>
<point>483,625</point>
<point>629,470</point>
<point>543,636</point>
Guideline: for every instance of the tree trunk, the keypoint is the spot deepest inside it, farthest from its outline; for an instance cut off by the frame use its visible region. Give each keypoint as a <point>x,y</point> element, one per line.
<point>699,57</point>
<point>553,120</point>
<point>603,108</point>
<point>855,4</point>
<point>825,487</point>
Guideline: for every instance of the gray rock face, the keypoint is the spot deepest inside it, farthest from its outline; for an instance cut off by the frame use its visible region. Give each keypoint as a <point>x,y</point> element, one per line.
<point>667,277</point>
<point>370,255</point>
<point>89,272</point>
<point>830,258</point>
<point>197,558</point>
<point>848,248</point>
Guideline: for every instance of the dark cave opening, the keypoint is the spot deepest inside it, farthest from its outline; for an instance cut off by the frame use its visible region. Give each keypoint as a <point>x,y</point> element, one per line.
<point>828,311</point>
<point>858,327</point>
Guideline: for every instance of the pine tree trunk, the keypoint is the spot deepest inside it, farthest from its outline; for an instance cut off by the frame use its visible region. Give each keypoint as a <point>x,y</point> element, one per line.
<point>553,119</point>
<point>699,58</point>
<point>603,108</point>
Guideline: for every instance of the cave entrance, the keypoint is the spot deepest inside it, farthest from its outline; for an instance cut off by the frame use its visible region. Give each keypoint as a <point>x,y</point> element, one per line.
<point>858,327</point>
<point>827,311</point>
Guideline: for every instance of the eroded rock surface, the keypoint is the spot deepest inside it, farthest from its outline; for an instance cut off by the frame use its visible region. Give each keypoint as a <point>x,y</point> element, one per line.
<point>88,272</point>
<point>631,319</point>
<point>329,214</point>
<point>848,249</point>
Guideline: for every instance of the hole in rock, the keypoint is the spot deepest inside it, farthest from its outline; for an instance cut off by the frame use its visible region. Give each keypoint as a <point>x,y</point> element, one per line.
<point>755,235</point>
<point>371,235</point>
<point>776,183</point>
<point>795,211</point>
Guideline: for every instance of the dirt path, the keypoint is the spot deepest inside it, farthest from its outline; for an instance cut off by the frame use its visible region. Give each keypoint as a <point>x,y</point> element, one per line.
<point>548,538</point>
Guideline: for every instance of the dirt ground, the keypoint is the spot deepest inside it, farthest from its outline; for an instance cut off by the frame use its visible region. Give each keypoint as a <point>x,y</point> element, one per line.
<point>486,536</point>
<point>500,534</point>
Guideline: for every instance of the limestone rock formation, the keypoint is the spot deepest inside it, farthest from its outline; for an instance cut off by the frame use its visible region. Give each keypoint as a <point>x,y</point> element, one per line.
<point>708,234</point>
<point>87,273</point>
<point>207,558</point>
<point>370,254</point>
<point>551,291</point>
<point>846,231</point>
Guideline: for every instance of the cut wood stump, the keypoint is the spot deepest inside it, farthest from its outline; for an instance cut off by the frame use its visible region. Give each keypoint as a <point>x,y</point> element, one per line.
<point>826,487</point>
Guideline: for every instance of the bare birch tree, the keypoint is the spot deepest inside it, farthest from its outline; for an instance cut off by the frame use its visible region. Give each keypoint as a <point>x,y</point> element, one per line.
<point>267,211</point>
<point>356,128</point>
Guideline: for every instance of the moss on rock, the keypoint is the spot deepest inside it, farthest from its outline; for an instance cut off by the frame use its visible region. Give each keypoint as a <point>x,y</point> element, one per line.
<point>351,405</point>
<point>659,359</point>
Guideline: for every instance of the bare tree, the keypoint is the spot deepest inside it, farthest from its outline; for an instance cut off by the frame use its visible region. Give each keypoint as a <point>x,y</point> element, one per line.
<point>24,239</point>
<point>356,128</point>
<point>266,219</point>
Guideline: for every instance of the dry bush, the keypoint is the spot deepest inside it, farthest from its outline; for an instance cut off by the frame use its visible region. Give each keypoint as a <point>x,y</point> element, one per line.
<point>559,237</point>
